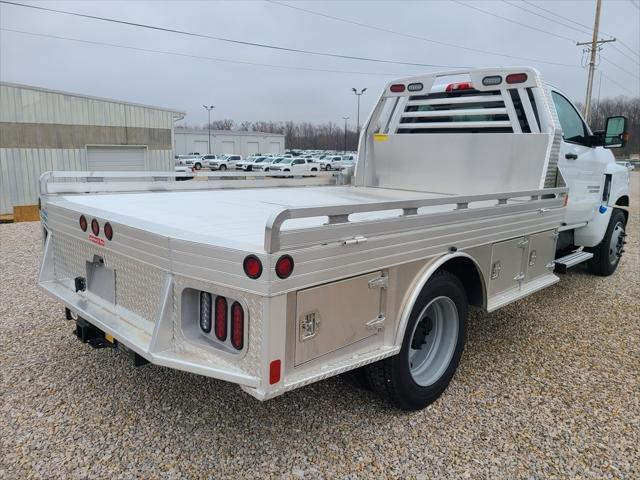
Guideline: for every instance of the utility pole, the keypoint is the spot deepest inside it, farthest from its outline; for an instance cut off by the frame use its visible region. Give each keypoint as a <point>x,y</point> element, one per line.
<point>345,134</point>
<point>208,108</point>
<point>355,90</point>
<point>593,48</point>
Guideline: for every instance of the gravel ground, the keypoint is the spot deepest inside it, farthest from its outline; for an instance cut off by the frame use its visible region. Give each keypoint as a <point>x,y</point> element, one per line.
<point>548,387</point>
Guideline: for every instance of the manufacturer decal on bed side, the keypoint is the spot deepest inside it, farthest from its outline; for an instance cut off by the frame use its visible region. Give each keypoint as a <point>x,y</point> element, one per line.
<point>96,240</point>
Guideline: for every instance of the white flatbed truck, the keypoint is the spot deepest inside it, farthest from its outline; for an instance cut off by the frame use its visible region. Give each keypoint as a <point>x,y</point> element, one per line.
<point>471,187</point>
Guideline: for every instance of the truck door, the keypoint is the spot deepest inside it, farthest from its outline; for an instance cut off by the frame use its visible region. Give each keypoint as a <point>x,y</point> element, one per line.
<point>578,162</point>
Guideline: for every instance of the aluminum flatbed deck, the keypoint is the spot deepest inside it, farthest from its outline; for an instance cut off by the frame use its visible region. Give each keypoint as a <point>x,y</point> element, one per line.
<point>232,218</point>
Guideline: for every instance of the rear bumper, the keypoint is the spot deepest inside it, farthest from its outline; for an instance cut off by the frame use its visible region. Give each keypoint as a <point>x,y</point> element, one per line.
<point>156,340</point>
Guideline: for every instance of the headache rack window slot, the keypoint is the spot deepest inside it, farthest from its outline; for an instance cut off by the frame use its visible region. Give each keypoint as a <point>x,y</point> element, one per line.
<point>467,111</point>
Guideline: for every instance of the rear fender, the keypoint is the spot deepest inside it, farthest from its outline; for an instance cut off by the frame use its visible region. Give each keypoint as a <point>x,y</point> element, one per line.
<point>423,277</point>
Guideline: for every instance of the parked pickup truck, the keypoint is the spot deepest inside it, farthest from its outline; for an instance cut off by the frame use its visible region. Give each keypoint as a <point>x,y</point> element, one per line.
<point>295,165</point>
<point>226,162</point>
<point>466,194</point>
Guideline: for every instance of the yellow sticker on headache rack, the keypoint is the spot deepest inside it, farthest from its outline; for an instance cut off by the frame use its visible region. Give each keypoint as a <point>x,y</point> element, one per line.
<point>108,338</point>
<point>380,137</point>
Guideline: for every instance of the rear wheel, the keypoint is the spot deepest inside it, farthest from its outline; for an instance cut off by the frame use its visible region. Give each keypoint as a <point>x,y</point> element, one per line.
<point>223,167</point>
<point>198,166</point>
<point>431,349</point>
<point>606,255</point>
<point>328,167</point>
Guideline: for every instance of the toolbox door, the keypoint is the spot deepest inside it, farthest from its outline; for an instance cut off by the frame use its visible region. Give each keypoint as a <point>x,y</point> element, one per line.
<point>332,316</point>
<point>507,269</point>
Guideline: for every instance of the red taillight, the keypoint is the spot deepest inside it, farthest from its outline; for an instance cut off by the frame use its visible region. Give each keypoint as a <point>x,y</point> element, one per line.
<point>95,227</point>
<point>454,87</point>
<point>252,266</point>
<point>274,372</point>
<point>284,266</point>
<point>83,223</point>
<point>237,326</point>
<point>221,318</point>
<point>397,88</point>
<point>108,231</point>
<point>516,78</point>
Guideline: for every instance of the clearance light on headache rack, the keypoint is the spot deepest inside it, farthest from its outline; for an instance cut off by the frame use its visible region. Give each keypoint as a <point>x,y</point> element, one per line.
<point>415,87</point>
<point>516,78</point>
<point>83,223</point>
<point>454,87</point>
<point>397,88</point>
<point>95,227</point>
<point>492,80</point>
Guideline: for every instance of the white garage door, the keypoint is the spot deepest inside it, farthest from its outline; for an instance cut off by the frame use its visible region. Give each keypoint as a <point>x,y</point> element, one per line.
<point>116,159</point>
<point>228,147</point>
<point>253,147</point>
<point>201,147</point>
<point>274,147</point>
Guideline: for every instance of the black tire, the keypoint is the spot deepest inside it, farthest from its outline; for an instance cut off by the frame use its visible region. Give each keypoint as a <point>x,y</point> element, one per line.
<point>223,167</point>
<point>314,169</point>
<point>392,378</point>
<point>328,167</point>
<point>198,166</point>
<point>606,256</point>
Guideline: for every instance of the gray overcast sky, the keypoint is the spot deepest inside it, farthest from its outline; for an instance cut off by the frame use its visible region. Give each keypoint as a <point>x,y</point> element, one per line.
<point>247,92</point>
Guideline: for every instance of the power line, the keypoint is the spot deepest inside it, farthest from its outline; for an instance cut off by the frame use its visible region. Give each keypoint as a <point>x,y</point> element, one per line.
<point>619,67</point>
<point>415,37</point>
<point>587,27</point>
<point>618,84</point>
<point>544,16</point>
<point>228,40</point>
<point>200,57</point>
<point>513,21</point>
<point>626,55</point>
<point>635,54</point>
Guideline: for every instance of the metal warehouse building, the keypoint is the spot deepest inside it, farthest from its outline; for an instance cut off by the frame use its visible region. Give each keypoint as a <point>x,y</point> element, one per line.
<point>227,141</point>
<point>43,130</point>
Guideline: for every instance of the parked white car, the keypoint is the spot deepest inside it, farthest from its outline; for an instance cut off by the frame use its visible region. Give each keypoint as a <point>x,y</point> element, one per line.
<point>331,162</point>
<point>266,165</point>
<point>226,162</point>
<point>295,165</point>
<point>248,164</point>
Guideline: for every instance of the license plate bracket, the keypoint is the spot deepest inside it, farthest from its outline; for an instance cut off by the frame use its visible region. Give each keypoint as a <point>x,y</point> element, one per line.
<point>101,280</point>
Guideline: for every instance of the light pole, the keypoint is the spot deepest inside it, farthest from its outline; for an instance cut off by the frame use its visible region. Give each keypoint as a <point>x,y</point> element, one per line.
<point>345,134</point>
<point>355,90</point>
<point>208,108</point>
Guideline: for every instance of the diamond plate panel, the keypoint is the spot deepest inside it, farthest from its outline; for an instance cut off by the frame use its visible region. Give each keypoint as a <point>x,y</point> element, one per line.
<point>138,286</point>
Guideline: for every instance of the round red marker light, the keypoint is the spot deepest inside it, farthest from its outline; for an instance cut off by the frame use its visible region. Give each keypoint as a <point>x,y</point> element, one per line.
<point>284,266</point>
<point>108,231</point>
<point>252,266</point>
<point>83,223</point>
<point>95,227</point>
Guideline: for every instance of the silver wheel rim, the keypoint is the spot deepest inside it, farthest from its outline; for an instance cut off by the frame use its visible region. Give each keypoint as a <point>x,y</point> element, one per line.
<point>615,245</point>
<point>433,341</point>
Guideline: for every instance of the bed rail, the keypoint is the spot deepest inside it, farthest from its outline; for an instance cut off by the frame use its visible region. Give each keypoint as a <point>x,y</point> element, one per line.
<point>339,224</point>
<point>63,182</point>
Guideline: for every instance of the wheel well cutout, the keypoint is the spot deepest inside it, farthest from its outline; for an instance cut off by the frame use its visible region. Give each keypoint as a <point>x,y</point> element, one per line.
<point>468,274</point>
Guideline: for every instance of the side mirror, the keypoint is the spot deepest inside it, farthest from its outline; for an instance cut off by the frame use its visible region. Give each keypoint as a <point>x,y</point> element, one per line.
<point>615,133</point>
